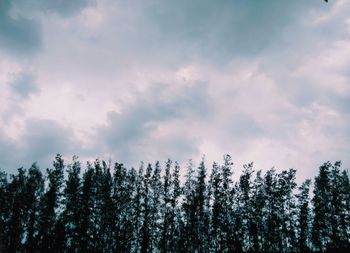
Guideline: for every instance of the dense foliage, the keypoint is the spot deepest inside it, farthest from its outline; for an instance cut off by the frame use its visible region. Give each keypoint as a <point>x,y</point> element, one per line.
<point>109,208</point>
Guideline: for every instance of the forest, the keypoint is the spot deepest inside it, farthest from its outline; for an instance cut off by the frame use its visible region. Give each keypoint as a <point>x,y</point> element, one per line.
<point>164,208</point>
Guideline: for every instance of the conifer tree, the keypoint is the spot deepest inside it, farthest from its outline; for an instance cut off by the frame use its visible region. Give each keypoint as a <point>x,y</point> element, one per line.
<point>137,178</point>
<point>340,208</point>
<point>176,221</point>
<point>272,219</point>
<point>304,217</point>
<point>244,209</point>
<point>34,192</point>
<point>321,227</point>
<point>201,215</point>
<point>228,220</point>
<point>49,206</point>
<point>345,212</point>
<point>258,228</point>
<point>287,210</point>
<point>336,206</point>
<point>3,209</point>
<point>167,216</point>
<point>156,188</point>
<point>17,207</point>
<point>72,203</point>
<point>123,191</point>
<point>215,191</point>
<point>189,209</point>
<point>147,211</point>
<point>85,211</point>
<point>146,243</point>
<point>107,210</point>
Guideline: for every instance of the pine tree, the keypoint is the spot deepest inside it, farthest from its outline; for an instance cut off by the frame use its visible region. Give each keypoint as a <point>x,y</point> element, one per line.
<point>201,215</point>
<point>176,222</point>
<point>189,210</point>
<point>34,192</point>
<point>106,210</point>
<point>123,191</point>
<point>259,199</point>
<point>229,238</point>
<point>49,206</point>
<point>149,211</point>
<point>137,203</point>
<point>17,207</point>
<point>336,205</point>
<point>166,236</point>
<point>101,217</point>
<point>244,207</point>
<point>215,191</point>
<point>345,212</point>
<point>304,217</point>
<point>146,243</point>
<point>339,208</point>
<point>224,234</point>
<point>72,203</point>
<point>156,189</point>
<point>287,210</point>
<point>4,208</point>
<point>272,219</point>
<point>85,211</point>
<point>321,227</point>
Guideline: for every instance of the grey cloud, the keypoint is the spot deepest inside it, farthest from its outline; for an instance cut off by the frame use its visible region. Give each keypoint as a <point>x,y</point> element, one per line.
<point>24,85</point>
<point>339,102</point>
<point>243,127</point>
<point>67,7</point>
<point>41,141</point>
<point>221,30</point>
<point>19,35</point>
<point>134,125</point>
<point>64,8</point>
<point>20,24</point>
<point>170,33</point>
<point>8,153</point>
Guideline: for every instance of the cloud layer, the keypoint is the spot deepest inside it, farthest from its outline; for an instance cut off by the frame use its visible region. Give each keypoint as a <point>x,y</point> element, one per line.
<point>131,81</point>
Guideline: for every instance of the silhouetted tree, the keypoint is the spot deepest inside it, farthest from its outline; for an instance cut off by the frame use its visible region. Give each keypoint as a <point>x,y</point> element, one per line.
<point>34,192</point>
<point>304,217</point>
<point>321,227</point>
<point>50,204</point>
<point>3,210</point>
<point>151,211</point>
<point>72,204</point>
<point>17,215</point>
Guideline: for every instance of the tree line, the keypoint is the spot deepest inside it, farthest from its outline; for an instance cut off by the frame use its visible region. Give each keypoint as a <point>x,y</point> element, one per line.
<point>109,208</point>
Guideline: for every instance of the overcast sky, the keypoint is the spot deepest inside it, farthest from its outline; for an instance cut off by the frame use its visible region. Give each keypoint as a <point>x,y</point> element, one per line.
<point>265,81</point>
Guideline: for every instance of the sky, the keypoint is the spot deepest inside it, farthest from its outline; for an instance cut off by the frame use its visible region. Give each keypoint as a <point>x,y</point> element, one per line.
<point>263,81</point>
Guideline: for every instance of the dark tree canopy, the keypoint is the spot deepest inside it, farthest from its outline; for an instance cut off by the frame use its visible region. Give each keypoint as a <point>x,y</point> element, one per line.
<point>160,208</point>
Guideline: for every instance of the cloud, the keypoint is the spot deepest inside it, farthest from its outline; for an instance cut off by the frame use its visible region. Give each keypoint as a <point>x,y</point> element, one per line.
<point>221,31</point>
<point>39,142</point>
<point>19,35</point>
<point>24,85</point>
<point>65,8</point>
<point>138,129</point>
<point>21,23</point>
